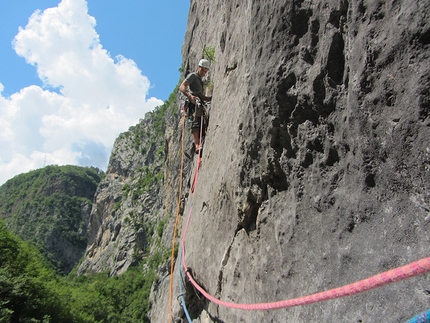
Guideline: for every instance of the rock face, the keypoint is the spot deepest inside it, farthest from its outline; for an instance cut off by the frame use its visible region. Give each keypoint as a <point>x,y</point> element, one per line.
<point>128,202</point>
<point>316,163</point>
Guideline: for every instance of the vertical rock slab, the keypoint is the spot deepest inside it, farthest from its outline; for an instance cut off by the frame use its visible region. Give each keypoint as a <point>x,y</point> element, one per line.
<point>316,165</point>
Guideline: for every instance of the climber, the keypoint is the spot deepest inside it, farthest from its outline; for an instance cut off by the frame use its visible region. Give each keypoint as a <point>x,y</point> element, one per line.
<point>192,88</point>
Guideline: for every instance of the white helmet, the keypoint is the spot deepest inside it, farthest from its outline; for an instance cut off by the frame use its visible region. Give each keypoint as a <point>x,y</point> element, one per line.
<point>204,63</point>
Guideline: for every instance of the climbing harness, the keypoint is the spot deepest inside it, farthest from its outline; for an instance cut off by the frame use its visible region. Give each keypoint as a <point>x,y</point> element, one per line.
<point>188,109</point>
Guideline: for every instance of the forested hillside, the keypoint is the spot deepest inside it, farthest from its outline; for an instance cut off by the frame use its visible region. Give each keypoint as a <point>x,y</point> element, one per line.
<point>31,291</point>
<point>50,207</point>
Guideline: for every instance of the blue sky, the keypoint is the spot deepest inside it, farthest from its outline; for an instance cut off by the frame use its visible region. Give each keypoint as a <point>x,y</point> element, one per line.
<point>76,73</point>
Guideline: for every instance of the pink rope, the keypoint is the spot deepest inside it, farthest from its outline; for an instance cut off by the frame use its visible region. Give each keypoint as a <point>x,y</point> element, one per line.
<point>416,268</point>
<point>193,188</point>
<point>412,269</point>
<point>419,267</point>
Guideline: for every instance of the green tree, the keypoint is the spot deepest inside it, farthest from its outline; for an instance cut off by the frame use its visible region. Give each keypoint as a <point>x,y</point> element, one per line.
<point>27,284</point>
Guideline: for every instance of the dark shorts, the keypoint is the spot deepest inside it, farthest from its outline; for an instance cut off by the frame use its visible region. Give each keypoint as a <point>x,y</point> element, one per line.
<point>197,120</point>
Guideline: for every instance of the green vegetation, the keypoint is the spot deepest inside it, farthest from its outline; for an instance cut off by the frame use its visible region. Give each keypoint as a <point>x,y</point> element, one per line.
<point>28,285</point>
<point>125,190</point>
<point>100,298</point>
<point>142,138</point>
<point>117,206</point>
<point>45,206</point>
<point>209,53</point>
<point>159,113</point>
<point>160,227</point>
<point>148,177</point>
<point>148,138</point>
<point>181,70</point>
<point>31,291</point>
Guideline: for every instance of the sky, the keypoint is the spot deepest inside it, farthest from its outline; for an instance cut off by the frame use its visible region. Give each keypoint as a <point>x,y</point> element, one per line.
<point>74,74</point>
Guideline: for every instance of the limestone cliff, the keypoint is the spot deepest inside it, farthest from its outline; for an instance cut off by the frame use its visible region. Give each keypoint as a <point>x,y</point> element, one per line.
<point>129,202</point>
<point>316,163</point>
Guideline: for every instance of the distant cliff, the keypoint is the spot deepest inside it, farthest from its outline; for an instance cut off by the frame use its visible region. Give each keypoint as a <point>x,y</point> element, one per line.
<point>132,207</point>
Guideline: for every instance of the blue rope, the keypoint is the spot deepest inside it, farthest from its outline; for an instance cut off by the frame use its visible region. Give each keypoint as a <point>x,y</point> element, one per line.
<point>423,317</point>
<point>181,294</point>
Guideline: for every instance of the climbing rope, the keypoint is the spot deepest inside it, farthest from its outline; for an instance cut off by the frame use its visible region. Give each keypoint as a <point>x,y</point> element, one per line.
<point>181,289</point>
<point>423,317</point>
<point>416,268</point>
<point>172,261</point>
<point>413,269</point>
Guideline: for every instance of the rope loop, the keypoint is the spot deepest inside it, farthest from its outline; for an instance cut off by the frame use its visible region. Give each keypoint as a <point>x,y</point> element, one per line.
<point>180,295</point>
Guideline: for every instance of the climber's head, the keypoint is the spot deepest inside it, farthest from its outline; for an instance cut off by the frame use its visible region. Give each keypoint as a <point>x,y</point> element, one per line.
<point>203,67</point>
<point>204,63</point>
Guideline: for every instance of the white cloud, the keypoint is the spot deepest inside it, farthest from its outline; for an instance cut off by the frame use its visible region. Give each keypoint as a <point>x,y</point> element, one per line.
<point>88,97</point>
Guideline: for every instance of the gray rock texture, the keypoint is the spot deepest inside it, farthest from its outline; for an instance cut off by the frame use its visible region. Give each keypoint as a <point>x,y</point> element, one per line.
<point>128,202</point>
<point>315,171</point>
